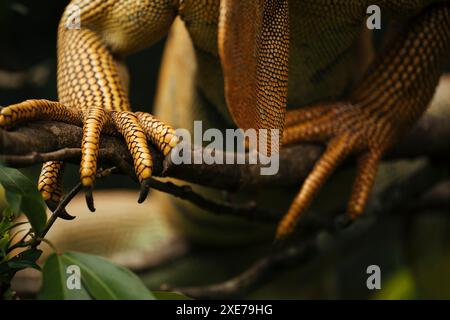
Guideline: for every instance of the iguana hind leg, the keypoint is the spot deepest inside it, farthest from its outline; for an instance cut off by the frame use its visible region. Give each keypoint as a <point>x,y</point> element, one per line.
<point>392,97</point>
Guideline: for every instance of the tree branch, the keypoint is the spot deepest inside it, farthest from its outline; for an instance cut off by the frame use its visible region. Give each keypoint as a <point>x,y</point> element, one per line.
<point>398,198</point>
<point>248,211</point>
<point>42,141</point>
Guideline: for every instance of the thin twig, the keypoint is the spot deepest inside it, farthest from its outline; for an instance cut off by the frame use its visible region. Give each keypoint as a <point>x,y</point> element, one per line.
<point>306,247</point>
<point>248,210</point>
<point>21,161</point>
<point>62,206</point>
<point>257,273</point>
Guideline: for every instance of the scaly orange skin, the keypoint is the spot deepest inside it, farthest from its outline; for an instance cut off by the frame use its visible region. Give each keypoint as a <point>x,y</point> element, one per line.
<point>92,88</point>
<point>394,94</point>
<point>254,46</point>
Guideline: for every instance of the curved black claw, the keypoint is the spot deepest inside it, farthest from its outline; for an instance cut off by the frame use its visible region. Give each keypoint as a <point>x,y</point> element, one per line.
<point>89,198</point>
<point>145,188</point>
<point>52,205</point>
<point>65,215</point>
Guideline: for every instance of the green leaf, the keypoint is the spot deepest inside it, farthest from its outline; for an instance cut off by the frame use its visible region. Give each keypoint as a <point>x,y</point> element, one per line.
<point>8,295</point>
<point>163,295</point>
<point>22,191</point>
<point>34,208</point>
<point>14,201</point>
<point>4,245</point>
<point>14,181</point>
<point>25,259</point>
<point>7,225</point>
<point>7,213</point>
<point>54,282</point>
<point>100,279</point>
<point>13,236</point>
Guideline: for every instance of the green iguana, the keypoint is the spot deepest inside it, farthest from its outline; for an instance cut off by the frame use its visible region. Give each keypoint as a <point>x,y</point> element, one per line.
<point>298,66</point>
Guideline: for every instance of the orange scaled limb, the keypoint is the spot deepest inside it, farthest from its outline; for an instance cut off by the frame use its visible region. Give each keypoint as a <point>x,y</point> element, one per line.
<point>394,94</point>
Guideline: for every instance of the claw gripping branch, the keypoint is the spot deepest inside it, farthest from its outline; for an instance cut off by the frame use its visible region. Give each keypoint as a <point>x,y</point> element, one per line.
<point>392,97</point>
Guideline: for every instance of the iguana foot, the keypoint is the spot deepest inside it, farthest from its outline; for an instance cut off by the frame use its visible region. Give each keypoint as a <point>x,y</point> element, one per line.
<point>347,129</point>
<point>391,98</point>
<point>136,128</point>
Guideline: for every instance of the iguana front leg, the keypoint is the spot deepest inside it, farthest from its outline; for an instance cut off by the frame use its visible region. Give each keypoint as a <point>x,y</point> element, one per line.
<point>393,95</point>
<point>92,86</point>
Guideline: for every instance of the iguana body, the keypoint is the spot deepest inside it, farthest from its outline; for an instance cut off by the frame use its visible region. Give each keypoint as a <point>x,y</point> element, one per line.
<point>254,59</point>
